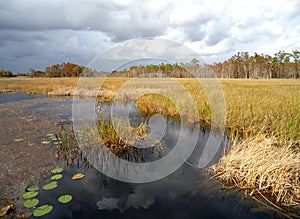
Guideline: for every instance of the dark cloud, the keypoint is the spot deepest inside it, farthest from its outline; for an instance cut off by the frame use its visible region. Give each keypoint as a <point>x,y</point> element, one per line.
<point>34,33</point>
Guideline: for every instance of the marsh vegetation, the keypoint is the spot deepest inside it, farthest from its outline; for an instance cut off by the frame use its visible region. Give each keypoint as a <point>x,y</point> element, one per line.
<point>262,122</point>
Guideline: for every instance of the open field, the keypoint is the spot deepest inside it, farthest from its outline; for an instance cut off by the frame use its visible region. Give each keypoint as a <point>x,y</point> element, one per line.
<point>265,114</point>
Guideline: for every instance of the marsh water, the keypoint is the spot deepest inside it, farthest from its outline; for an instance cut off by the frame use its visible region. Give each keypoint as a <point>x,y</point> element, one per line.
<point>188,192</point>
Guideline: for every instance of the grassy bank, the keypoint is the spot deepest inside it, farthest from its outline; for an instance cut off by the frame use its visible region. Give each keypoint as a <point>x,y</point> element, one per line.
<point>265,114</point>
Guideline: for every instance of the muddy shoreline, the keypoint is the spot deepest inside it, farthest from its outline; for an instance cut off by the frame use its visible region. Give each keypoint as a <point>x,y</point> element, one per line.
<point>28,162</point>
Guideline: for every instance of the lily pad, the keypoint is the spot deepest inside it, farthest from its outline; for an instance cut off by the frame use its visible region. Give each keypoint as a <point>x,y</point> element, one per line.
<point>46,142</point>
<point>50,135</point>
<point>50,186</point>
<point>65,199</point>
<point>19,139</point>
<point>30,194</point>
<point>56,176</point>
<point>31,203</point>
<point>57,142</point>
<point>42,210</point>
<point>32,188</point>
<point>77,176</point>
<point>57,170</point>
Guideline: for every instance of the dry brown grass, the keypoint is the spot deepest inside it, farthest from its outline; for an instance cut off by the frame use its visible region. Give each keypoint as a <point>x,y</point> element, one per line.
<point>35,85</point>
<point>262,165</point>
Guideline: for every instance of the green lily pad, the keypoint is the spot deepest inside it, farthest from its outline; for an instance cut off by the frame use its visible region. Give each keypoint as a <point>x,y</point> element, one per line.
<point>50,135</point>
<point>19,139</point>
<point>56,176</point>
<point>50,186</point>
<point>42,210</point>
<point>57,142</point>
<point>32,188</point>
<point>46,142</point>
<point>57,170</point>
<point>31,203</point>
<point>30,194</point>
<point>65,199</point>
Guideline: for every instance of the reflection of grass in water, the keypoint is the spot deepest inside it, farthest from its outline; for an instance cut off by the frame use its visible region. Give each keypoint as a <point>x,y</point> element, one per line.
<point>124,143</point>
<point>121,139</point>
<point>130,136</point>
<point>67,147</point>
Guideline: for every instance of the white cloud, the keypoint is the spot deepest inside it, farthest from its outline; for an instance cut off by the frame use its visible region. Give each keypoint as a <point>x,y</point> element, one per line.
<point>79,30</point>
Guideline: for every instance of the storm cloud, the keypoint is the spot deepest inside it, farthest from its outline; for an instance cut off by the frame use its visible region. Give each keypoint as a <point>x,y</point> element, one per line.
<point>40,33</point>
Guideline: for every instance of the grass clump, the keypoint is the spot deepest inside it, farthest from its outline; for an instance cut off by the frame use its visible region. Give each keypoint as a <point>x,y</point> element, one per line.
<point>67,148</point>
<point>123,140</point>
<point>263,165</point>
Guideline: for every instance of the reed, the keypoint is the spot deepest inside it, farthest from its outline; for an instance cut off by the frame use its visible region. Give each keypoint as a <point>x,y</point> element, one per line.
<point>124,142</point>
<point>263,165</point>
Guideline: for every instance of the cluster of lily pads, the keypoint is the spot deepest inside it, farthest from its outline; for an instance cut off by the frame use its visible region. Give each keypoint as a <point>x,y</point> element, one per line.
<point>53,138</point>
<point>32,192</point>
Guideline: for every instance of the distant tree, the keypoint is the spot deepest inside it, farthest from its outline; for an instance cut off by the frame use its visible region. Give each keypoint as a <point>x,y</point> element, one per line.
<point>5,73</point>
<point>282,60</point>
<point>296,56</point>
<point>195,62</point>
<point>21,74</point>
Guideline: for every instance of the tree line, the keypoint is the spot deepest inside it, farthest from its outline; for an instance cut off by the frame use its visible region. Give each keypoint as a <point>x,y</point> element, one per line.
<point>59,70</point>
<point>240,65</point>
<point>243,65</point>
<point>6,73</point>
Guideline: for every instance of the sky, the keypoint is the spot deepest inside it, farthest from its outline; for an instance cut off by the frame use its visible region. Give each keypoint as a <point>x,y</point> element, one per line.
<point>36,33</point>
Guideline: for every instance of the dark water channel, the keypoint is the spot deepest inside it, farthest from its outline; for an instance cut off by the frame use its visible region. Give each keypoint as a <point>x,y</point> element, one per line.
<point>188,192</point>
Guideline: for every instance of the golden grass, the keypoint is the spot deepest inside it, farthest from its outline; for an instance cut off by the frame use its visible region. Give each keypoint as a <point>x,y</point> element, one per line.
<point>253,106</point>
<point>261,165</point>
<point>35,85</point>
